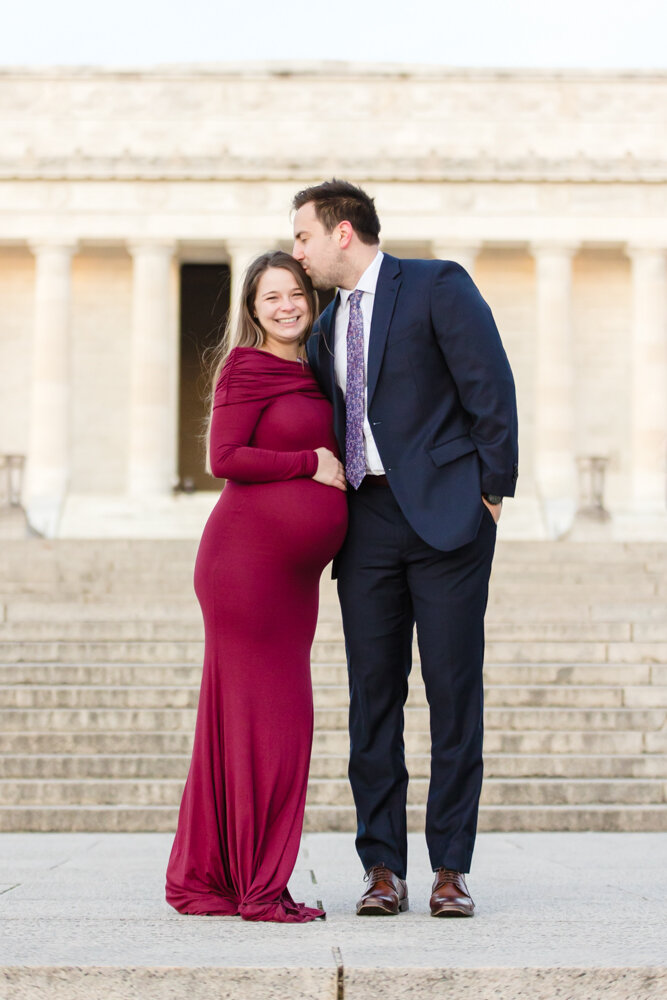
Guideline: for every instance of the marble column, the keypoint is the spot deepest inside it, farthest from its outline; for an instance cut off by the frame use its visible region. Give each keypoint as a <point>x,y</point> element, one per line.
<point>555,469</point>
<point>153,363</point>
<point>48,465</point>
<point>649,379</point>
<point>464,254</point>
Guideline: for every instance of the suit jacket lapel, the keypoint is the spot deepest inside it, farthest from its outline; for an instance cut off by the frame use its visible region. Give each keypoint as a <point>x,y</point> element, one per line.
<point>389,282</point>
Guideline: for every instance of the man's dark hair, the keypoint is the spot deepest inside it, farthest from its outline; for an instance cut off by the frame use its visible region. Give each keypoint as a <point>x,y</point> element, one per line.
<point>339,201</point>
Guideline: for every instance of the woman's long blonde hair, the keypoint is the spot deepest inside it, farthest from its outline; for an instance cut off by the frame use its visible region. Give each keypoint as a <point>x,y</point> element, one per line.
<point>244,330</point>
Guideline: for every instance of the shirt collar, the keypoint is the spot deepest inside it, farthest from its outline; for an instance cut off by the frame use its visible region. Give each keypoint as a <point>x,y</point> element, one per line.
<point>367,282</point>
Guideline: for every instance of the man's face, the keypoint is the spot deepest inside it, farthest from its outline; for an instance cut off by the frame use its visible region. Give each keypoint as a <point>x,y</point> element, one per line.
<point>317,251</point>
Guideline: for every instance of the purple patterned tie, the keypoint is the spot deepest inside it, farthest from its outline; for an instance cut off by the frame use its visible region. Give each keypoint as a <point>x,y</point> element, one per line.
<point>355,404</point>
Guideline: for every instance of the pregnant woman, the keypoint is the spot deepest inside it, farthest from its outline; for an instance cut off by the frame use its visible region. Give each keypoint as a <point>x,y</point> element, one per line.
<point>281,517</point>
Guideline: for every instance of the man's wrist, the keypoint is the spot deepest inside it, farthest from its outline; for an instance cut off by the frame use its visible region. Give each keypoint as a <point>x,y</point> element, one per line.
<point>493,498</point>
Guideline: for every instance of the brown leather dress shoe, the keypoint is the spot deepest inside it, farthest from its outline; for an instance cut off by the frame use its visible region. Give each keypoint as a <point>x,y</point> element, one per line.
<point>387,894</point>
<point>450,896</point>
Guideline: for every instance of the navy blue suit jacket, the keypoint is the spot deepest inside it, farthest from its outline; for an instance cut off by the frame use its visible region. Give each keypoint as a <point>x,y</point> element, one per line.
<point>441,399</point>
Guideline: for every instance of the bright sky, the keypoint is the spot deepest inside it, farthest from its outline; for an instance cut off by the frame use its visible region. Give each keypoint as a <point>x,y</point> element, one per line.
<point>591,34</point>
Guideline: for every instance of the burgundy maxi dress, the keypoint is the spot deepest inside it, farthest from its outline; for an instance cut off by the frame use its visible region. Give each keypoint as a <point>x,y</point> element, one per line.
<point>257,574</point>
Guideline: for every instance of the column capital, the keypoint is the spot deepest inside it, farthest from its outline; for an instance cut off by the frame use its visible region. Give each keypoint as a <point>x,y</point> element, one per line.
<point>247,247</point>
<point>65,248</point>
<point>469,246</point>
<point>645,250</point>
<point>555,248</point>
<point>463,252</point>
<point>160,247</point>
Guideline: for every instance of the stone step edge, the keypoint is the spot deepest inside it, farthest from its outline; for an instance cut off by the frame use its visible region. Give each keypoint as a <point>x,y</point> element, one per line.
<point>415,675</point>
<point>323,781</point>
<point>325,664</point>
<point>22,686</point>
<point>36,733</point>
<point>321,665</point>
<point>315,979</point>
<point>318,640</point>
<point>555,686</point>
<point>326,625</point>
<point>610,807</point>
<point>409,709</point>
<point>492,755</point>
<point>648,713</point>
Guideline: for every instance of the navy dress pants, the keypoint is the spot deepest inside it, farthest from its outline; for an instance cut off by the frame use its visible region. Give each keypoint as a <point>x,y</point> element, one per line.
<point>390,580</point>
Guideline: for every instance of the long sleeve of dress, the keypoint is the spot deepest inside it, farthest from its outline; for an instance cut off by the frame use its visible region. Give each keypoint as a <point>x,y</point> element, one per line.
<point>236,412</point>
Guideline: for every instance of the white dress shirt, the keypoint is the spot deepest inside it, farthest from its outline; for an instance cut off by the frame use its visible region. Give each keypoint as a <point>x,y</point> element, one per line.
<point>366,284</point>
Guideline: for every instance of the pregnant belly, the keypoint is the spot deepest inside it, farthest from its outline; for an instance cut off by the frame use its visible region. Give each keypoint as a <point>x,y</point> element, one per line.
<point>297,520</point>
<point>302,518</point>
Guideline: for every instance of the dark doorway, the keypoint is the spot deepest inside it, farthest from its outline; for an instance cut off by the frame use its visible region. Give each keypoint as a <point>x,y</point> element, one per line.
<point>204,309</point>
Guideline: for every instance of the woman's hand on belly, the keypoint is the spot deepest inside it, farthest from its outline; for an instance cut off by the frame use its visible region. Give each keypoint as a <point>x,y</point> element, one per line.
<point>330,470</point>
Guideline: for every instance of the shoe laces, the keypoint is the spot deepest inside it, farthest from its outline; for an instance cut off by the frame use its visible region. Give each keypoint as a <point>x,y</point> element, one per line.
<point>446,875</point>
<point>378,873</point>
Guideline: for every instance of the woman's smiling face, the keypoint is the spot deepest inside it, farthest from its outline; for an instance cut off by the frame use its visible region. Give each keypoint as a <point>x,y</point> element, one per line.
<point>281,309</point>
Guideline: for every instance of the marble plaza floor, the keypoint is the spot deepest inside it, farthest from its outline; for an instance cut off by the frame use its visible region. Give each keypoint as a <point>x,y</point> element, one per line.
<point>558,915</point>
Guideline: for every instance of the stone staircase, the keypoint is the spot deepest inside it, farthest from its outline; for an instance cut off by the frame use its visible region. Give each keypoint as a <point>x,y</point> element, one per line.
<point>100,661</point>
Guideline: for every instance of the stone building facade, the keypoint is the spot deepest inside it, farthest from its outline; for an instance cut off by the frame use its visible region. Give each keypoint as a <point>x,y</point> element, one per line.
<point>118,189</point>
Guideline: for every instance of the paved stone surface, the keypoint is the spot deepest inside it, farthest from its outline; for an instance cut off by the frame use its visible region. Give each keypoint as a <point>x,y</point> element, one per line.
<point>558,915</point>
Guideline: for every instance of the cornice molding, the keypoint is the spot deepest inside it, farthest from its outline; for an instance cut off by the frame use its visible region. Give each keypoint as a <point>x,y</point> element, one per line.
<point>486,169</point>
<point>325,68</point>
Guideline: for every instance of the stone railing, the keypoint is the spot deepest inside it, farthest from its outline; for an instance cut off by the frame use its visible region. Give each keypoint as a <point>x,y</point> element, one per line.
<point>11,480</point>
<point>592,470</point>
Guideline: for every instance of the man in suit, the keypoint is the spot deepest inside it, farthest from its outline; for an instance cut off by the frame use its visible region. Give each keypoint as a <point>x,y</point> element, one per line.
<point>425,415</point>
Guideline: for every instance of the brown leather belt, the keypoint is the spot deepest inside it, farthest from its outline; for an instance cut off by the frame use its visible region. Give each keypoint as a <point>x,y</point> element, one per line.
<point>371,480</point>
